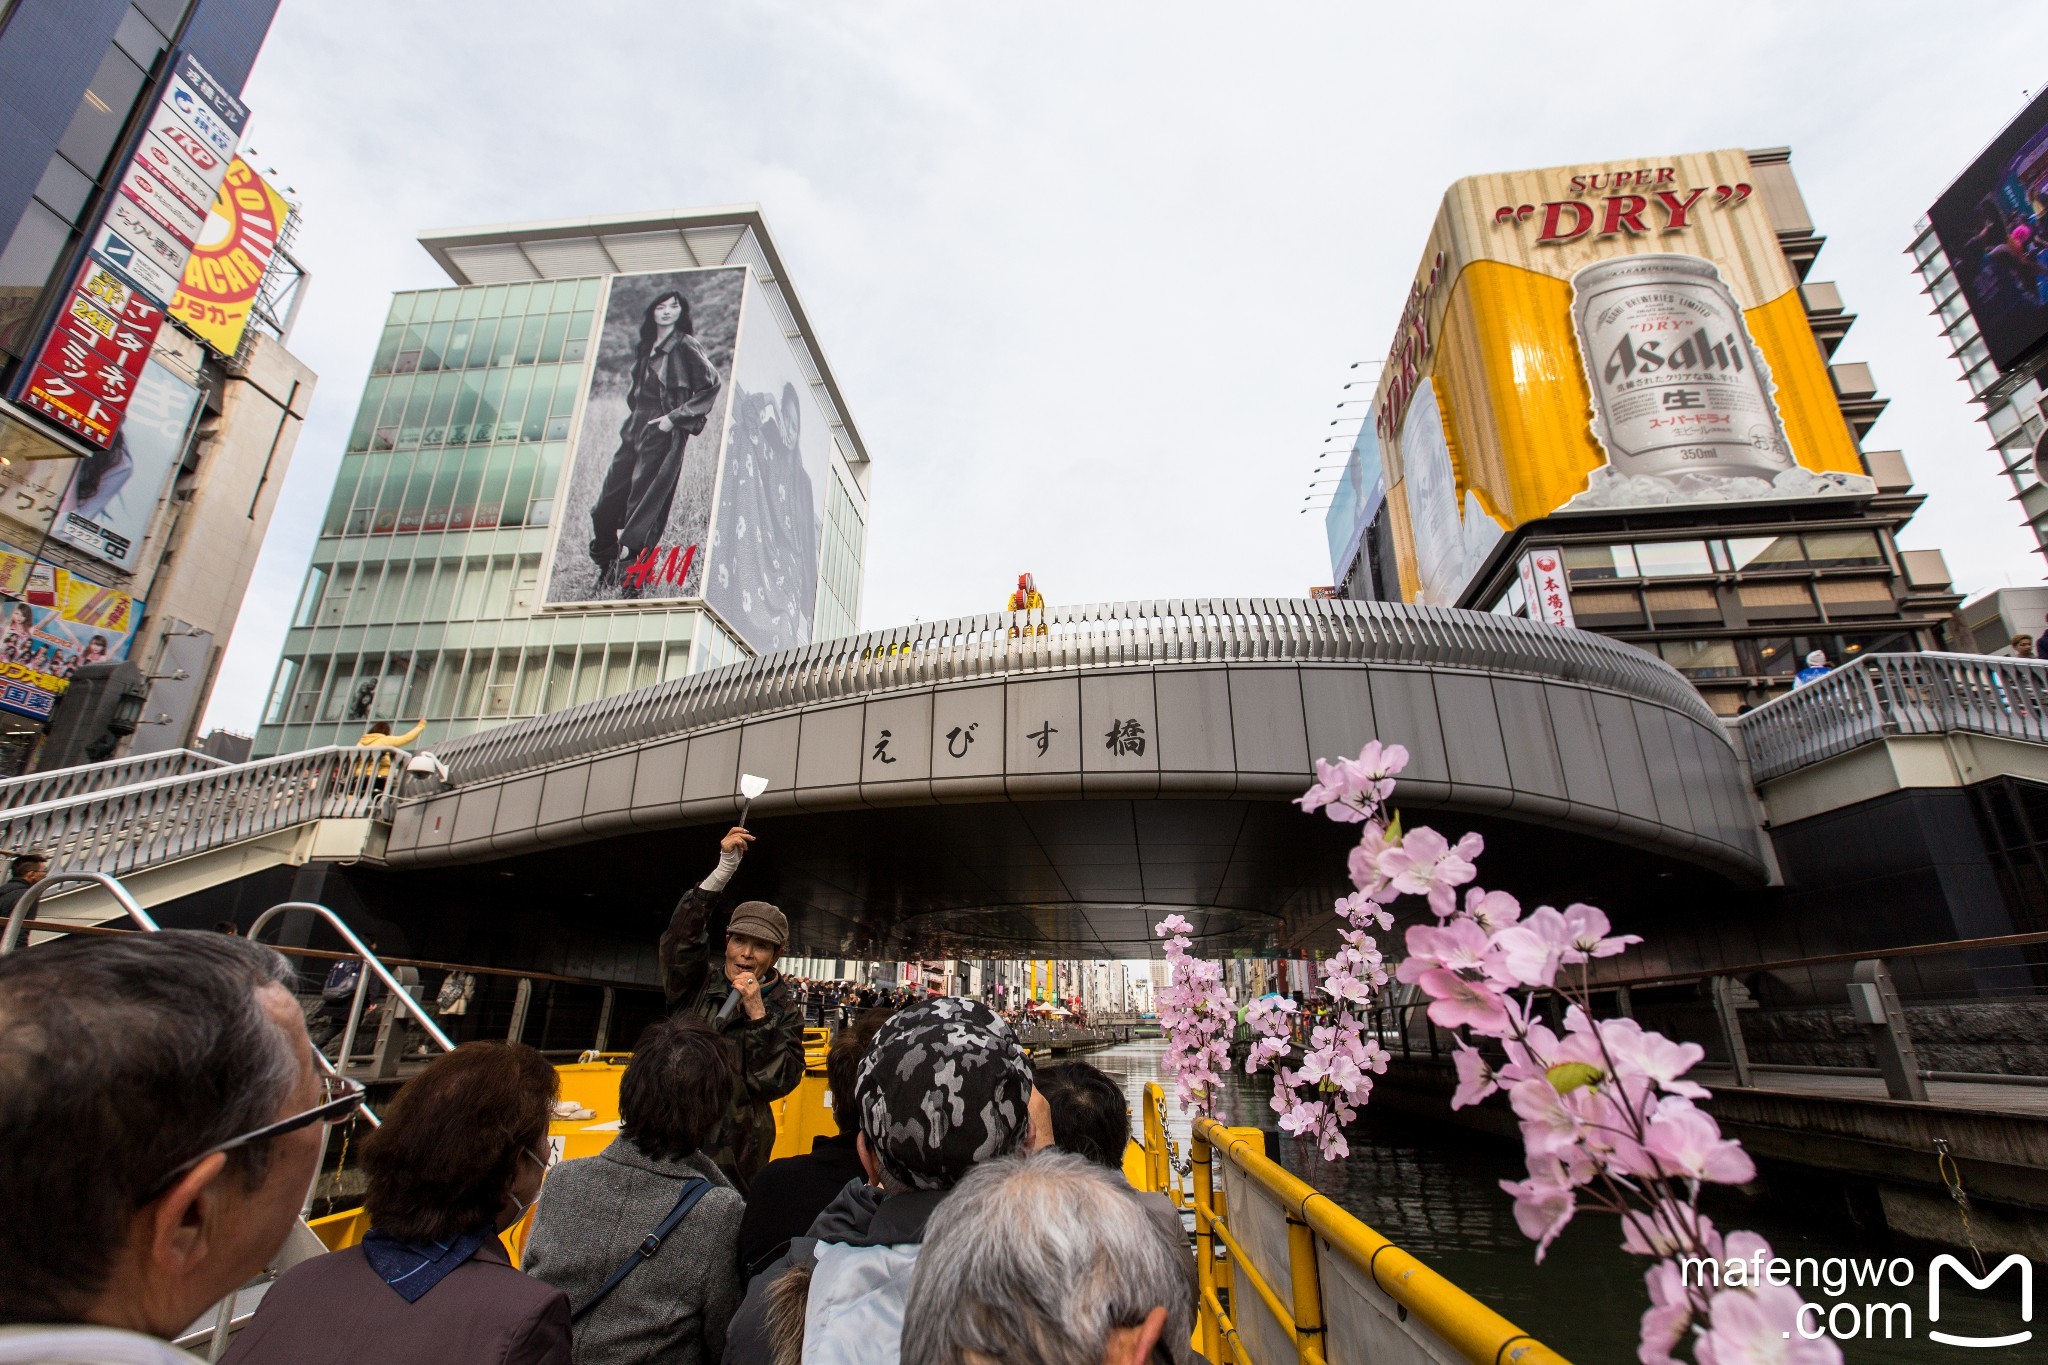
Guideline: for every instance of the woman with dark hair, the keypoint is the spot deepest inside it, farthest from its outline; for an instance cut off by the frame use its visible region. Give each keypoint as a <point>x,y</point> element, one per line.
<point>672,1307</point>
<point>674,385</point>
<point>459,1159</point>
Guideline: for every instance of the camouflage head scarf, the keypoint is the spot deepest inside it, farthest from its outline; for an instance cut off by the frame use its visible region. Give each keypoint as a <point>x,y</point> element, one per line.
<point>944,1085</point>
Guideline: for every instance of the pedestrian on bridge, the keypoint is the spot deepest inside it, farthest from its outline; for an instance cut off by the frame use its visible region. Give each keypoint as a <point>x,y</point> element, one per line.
<point>731,980</point>
<point>29,868</point>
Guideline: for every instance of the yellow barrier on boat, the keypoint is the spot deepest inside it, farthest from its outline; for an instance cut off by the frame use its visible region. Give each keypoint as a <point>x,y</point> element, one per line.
<point>1326,1289</point>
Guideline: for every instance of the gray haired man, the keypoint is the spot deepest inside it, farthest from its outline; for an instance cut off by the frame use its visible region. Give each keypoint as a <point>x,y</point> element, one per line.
<point>161,1121</point>
<point>1047,1259</point>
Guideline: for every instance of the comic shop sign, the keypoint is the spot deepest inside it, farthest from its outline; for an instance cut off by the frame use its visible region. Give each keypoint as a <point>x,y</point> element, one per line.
<point>87,370</point>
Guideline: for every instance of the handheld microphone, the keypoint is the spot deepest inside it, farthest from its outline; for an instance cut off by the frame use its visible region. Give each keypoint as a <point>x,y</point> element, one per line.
<point>732,1002</point>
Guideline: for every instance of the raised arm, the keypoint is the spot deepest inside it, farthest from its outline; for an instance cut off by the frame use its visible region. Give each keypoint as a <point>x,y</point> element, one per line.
<point>687,953</point>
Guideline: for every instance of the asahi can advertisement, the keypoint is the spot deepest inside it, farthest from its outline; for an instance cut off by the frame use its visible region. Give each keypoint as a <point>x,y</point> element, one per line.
<point>1592,338</point>
<point>1678,388</point>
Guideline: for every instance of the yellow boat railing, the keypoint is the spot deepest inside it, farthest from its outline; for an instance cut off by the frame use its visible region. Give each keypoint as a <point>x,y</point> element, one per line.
<point>1325,1288</point>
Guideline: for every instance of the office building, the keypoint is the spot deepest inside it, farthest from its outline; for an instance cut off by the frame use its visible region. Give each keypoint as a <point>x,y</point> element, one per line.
<point>513,531</point>
<point>1612,402</point>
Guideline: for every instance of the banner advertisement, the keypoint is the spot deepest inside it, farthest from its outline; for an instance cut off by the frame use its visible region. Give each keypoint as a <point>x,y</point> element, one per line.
<point>54,623</point>
<point>635,508</point>
<point>1589,338</point>
<point>1993,227</point>
<point>87,371</point>
<point>1546,587</point>
<point>763,572</point>
<point>229,257</point>
<point>108,504</point>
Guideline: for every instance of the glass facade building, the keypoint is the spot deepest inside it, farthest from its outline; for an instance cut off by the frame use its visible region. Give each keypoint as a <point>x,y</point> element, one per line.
<point>423,598</point>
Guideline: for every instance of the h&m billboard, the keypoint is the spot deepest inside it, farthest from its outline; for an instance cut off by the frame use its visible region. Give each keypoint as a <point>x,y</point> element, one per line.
<point>1589,338</point>
<point>701,461</point>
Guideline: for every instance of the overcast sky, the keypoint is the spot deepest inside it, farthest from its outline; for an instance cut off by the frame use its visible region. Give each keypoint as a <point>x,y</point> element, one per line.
<point>1091,276</point>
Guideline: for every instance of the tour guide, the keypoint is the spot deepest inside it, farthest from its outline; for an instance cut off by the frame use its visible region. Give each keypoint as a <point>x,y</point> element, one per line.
<point>749,1003</point>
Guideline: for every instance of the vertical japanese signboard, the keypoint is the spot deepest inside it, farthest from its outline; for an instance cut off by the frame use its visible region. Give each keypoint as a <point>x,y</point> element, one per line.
<point>89,364</point>
<point>136,256</point>
<point>1545,587</point>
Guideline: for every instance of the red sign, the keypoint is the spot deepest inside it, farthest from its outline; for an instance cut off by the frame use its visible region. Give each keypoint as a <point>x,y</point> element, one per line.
<point>94,354</point>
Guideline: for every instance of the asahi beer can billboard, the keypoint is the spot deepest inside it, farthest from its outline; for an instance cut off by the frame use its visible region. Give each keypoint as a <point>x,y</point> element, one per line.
<point>1588,338</point>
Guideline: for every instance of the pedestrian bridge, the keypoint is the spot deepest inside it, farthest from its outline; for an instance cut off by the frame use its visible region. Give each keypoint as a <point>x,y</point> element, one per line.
<point>954,785</point>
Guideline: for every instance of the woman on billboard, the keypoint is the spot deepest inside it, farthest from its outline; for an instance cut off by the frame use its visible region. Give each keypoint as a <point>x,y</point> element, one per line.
<point>674,385</point>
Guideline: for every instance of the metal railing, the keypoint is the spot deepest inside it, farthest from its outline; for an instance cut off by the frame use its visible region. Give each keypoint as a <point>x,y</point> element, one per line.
<point>19,915</point>
<point>1207,630</point>
<point>1311,1268</point>
<point>33,789</point>
<point>122,829</point>
<point>1876,696</point>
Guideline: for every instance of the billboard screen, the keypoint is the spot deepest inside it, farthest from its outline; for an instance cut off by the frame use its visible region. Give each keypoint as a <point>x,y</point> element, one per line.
<point>1588,338</point>
<point>53,623</point>
<point>636,499</point>
<point>763,571</point>
<point>1991,224</point>
<point>107,505</point>
<point>229,255</point>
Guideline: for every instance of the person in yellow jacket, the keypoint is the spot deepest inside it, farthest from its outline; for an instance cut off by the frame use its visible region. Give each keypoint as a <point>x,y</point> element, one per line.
<point>379,736</point>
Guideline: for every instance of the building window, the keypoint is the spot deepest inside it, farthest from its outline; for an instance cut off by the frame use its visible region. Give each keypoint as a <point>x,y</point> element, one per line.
<point>1673,558</point>
<point>1766,552</point>
<point>1702,658</point>
<point>1843,549</point>
<point>1593,563</point>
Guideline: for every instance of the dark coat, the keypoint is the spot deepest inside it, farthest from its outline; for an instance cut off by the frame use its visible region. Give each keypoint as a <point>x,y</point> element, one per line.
<point>788,1195</point>
<point>771,1049</point>
<point>334,1310</point>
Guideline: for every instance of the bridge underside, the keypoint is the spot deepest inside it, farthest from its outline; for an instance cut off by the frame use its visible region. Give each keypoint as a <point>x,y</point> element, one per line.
<point>1080,878</point>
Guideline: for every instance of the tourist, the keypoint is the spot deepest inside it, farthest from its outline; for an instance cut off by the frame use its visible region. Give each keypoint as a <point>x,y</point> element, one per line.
<point>29,868</point>
<point>161,1121</point>
<point>1047,1260</point>
<point>788,1195</point>
<point>2022,646</point>
<point>458,1160</point>
<point>1817,667</point>
<point>1080,1110</point>
<point>597,1214</point>
<point>944,1085</point>
<point>746,1000</point>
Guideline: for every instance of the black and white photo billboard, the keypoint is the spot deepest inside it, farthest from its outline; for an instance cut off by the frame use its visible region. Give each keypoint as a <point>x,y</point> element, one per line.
<point>636,506</point>
<point>763,575</point>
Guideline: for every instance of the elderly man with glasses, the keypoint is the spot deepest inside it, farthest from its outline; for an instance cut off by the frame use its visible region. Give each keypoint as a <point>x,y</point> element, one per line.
<point>161,1118</point>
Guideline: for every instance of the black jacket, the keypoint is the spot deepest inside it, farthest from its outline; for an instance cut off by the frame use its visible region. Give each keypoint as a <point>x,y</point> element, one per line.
<point>788,1195</point>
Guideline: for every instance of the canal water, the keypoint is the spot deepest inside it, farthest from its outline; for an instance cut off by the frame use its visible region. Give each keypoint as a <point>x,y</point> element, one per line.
<point>1435,1191</point>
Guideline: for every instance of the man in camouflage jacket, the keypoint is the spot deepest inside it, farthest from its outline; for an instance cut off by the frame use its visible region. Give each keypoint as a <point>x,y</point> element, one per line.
<point>735,985</point>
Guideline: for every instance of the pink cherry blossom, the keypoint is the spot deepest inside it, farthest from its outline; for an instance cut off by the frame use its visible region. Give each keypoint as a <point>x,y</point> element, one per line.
<point>1760,1327</point>
<point>1683,1141</point>
<point>1587,927</point>
<point>1653,1056</point>
<point>1532,950</point>
<point>1669,1314</point>
<point>1491,910</point>
<point>1425,864</point>
<point>1458,1003</point>
<point>1544,1203</point>
<point>1476,1079</point>
<point>1458,945</point>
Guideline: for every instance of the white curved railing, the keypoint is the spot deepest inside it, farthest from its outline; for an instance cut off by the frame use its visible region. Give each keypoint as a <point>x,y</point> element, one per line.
<point>123,829</point>
<point>33,789</point>
<point>1208,630</point>
<point>1879,695</point>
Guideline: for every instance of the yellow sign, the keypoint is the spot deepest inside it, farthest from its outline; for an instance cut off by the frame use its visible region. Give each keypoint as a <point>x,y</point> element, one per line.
<point>226,268</point>
<point>1588,338</point>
